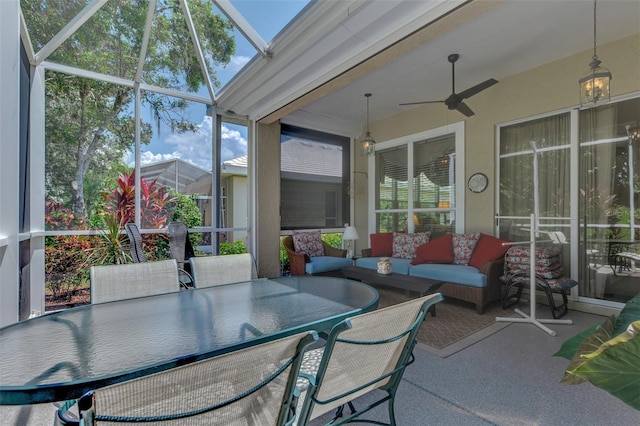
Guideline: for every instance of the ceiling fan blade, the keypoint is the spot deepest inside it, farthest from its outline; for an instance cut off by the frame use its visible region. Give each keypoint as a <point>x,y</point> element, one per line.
<point>423,102</point>
<point>463,108</point>
<point>477,88</point>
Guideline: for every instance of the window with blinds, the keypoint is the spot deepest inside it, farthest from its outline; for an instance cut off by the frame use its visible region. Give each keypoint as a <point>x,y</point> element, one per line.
<point>416,187</point>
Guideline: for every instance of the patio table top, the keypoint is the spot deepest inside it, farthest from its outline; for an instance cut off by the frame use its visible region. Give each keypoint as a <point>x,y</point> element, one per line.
<point>62,355</point>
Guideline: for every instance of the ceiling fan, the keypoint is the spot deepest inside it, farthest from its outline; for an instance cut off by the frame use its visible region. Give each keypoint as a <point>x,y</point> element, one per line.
<point>455,100</point>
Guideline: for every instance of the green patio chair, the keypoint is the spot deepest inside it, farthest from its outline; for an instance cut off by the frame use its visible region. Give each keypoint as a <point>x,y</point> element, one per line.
<point>363,353</point>
<point>252,386</point>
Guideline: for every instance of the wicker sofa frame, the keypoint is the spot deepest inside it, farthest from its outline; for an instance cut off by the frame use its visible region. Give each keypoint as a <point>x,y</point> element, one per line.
<point>479,296</point>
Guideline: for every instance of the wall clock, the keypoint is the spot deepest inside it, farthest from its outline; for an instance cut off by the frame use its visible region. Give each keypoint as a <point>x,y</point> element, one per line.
<point>478,182</point>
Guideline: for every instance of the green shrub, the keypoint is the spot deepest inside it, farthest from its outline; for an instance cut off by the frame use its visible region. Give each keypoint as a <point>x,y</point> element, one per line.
<point>237,247</point>
<point>334,240</point>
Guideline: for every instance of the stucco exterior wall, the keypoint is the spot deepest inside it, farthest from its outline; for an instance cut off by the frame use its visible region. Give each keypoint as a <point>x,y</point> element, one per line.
<point>268,199</point>
<point>549,87</point>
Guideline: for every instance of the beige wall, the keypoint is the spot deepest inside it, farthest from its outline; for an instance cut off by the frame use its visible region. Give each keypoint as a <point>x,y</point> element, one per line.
<point>238,206</point>
<point>549,87</point>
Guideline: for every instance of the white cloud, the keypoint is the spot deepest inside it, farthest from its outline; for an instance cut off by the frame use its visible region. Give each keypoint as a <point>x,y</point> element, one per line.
<point>195,147</point>
<point>237,62</point>
<point>149,157</point>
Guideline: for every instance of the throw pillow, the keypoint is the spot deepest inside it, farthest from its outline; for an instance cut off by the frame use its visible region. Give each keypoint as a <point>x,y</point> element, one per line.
<point>463,245</point>
<point>488,249</point>
<point>438,250</point>
<point>381,244</point>
<point>309,243</point>
<point>404,245</point>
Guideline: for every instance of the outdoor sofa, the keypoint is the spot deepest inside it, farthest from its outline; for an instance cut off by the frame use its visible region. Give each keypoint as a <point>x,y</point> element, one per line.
<point>469,265</point>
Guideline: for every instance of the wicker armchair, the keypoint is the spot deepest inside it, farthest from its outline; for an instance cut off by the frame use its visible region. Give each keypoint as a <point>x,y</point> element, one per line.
<point>298,261</point>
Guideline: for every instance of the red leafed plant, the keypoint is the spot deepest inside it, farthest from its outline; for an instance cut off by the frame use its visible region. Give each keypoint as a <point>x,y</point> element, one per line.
<point>154,200</point>
<point>155,204</point>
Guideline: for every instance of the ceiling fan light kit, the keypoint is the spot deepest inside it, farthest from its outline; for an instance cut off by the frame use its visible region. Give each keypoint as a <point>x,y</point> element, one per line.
<point>595,83</point>
<point>455,100</point>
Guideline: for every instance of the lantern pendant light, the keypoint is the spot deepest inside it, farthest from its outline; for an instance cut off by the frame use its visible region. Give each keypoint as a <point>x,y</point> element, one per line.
<point>368,144</point>
<point>595,82</point>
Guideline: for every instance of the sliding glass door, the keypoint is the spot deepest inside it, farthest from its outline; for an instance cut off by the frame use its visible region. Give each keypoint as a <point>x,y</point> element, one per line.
<point>609,193</point>
<point>536,160</point>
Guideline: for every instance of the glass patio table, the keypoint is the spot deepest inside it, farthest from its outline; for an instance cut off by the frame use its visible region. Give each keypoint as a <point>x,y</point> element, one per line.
<point>62,355</point>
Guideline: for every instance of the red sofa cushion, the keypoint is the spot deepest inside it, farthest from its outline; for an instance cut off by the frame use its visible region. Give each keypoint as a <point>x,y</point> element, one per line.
<point>488,249</point>
<point>381,244</point>
<point>438,250</point>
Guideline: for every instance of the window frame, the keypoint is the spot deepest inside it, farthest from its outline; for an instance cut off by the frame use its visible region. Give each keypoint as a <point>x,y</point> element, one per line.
<point>458,131</point>
<point>331,139</point>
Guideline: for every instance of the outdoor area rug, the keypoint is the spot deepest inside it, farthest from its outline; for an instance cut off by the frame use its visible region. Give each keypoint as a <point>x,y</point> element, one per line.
<point>456,325</point>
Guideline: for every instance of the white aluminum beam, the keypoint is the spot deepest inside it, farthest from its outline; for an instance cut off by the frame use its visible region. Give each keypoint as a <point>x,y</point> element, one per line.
<point>243,26</point>
<point>145,40</point>
<point>69,29</point>
<point>26,40</point>
<point>196,46</point>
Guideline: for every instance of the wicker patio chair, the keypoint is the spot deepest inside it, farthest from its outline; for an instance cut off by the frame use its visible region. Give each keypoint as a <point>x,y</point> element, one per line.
<point>363,353</point>
<point>117,282</point>
<point>209,271</point>
<point>298,261</point>
<point>252,386</point>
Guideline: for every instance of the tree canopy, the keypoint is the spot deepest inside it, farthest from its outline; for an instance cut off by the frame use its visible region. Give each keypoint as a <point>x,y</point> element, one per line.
<point>90,124</point>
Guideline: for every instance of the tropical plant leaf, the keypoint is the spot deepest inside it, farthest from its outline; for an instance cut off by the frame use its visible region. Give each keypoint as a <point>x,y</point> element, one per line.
<point>570,346</point>
<point>615,368</point>
<point>631,331</point>
<point>590,344</point>
<point>629,314</point>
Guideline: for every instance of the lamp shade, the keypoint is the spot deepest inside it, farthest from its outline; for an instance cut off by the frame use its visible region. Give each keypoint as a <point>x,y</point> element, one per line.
<point>350,234</point>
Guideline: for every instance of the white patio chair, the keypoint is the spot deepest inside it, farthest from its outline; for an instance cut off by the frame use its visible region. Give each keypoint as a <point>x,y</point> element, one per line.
<point>253,386</point>
<point>117,282</point>
<point>363,353</point>
<point>210,271</point>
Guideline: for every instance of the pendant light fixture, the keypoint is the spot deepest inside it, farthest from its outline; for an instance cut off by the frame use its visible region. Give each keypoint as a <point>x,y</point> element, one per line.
<point>595,82</point>
<point>368,144</point>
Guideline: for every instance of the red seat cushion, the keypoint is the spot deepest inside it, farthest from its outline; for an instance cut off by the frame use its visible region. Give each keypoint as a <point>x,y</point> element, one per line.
<point>382,244</point>
<point>438,250</point>
<point>488,249</point>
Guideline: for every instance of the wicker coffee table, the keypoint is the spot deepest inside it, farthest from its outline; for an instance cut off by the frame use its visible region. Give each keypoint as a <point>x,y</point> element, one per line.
<point>421,286</point>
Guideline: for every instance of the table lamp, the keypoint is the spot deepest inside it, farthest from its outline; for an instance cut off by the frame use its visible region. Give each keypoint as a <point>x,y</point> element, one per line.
<point>349,236</point>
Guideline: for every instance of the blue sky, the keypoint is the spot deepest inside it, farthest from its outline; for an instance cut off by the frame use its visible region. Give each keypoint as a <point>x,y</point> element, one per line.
<point>267,17</point>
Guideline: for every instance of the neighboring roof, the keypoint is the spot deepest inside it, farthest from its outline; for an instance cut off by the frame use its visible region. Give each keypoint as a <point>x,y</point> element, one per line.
<point>310,158</point>
<point>299,159</point>
<point>175,173</point>
<point>235,166</point>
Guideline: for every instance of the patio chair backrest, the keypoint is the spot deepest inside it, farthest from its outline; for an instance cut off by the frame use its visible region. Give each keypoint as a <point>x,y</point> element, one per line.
<point>135,242</point>
<point>210,271</point>
<point>117,282</point>
<point>363,353</point>
<point>252,386</point>
<point>180,247</point>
